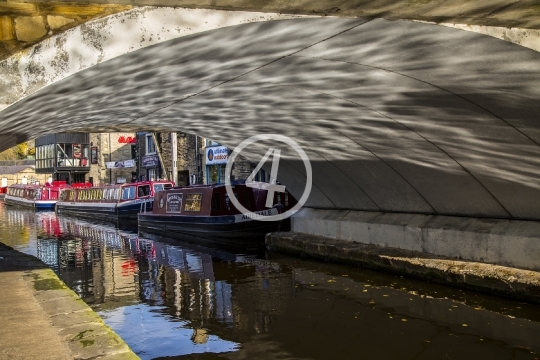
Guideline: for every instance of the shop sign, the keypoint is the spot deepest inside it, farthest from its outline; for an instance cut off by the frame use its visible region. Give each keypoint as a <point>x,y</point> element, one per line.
<point>217,155</point>
<point>150,161</point>
<point>127,140</point>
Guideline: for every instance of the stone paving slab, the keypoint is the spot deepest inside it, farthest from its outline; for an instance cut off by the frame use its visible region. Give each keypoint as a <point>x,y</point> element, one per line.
<point>499,280</point>
<point>43,319</point>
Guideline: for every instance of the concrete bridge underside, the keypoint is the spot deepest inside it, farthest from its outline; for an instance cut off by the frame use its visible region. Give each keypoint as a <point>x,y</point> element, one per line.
<point>396,116</point>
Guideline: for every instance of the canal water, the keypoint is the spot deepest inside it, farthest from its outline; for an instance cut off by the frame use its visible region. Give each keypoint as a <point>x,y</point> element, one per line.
<point>176,300</point>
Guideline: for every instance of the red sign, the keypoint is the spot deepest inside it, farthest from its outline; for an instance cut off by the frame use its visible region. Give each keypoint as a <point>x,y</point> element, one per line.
<point>127,140</point>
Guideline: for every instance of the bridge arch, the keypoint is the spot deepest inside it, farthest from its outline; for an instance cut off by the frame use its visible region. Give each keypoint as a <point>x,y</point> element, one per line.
<point>396,116</point>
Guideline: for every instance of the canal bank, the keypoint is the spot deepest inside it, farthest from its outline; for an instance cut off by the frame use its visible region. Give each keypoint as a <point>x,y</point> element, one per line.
<point>494,279</point>
<point>43,319</point>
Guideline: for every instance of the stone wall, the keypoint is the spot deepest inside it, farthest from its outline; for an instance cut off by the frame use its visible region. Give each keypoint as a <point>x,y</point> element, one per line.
<point>23,24</point>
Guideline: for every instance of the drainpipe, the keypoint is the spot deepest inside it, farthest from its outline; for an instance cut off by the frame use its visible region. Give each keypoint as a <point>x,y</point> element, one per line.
<point>174,150</point>
<point>110,159</point>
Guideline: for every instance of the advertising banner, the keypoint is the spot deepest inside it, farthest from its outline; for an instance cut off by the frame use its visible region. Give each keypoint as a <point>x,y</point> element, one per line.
<point>120,164</point>
<point>217,155</point>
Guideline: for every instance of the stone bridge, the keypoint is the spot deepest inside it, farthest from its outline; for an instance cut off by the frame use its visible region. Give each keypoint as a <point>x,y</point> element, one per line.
<point>422,135</point>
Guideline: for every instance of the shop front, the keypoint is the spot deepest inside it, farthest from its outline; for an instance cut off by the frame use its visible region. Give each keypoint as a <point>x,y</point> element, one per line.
<point>66,156</point>
<point>216,162</point>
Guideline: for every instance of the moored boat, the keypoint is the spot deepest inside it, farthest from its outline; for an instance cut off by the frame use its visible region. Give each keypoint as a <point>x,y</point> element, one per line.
<point>111,202</point>
<point>40,197</point>
<point>207,212</point>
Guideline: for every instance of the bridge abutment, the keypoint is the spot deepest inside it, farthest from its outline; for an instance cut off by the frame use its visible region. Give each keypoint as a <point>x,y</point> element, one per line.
<point>512,243</point>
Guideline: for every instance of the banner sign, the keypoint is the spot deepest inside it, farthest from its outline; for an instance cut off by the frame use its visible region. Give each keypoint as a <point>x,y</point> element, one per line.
<point>217,155</point>
<point>150,161</point>
<point>120,164</point>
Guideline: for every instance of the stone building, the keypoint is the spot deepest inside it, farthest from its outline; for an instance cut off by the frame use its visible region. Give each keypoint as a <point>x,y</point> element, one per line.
<point>20,174</point>
<point>112,148</point>
<point>193,164</point>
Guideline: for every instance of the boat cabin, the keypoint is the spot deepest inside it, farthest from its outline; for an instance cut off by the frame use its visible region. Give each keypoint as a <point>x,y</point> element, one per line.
<point>37,192</point>
<point>213,200</point>
<point>115,193</point>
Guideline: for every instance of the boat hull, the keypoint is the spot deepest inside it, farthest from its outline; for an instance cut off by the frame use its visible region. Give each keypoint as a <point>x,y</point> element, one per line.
<point>35,204</point>
<point>207,227</point>
<point>111,212</point>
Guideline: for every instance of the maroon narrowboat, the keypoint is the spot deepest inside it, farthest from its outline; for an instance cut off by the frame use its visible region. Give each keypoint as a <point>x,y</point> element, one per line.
<point>206,211</point>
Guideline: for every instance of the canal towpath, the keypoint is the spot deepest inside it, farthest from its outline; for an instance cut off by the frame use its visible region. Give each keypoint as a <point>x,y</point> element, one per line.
<point>43,319</point>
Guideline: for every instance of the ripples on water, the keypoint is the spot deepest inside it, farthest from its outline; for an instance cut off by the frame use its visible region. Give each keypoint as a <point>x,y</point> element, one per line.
<point>176,300</point>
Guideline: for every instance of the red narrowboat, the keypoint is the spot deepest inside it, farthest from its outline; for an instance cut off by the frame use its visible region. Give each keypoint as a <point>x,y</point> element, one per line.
<point>40,197</point>
<point>111,202</point>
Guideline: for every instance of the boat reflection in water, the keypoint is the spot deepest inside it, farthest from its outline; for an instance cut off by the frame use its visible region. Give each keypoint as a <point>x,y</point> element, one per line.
<point>171,300</point>
<point>161,298</point>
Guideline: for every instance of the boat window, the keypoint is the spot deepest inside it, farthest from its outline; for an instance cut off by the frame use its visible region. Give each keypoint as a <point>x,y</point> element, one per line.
<point>128,193</point>
<point>246,200</point>
<point>158,187</point>
<point>286,202</point>
<point>143,190</point>
<point>216,202</point>
<point>193,202</point>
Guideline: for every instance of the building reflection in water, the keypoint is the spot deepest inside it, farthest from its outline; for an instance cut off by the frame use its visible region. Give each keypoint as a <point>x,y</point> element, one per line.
<point>168,300</point>
<point>222,298</point>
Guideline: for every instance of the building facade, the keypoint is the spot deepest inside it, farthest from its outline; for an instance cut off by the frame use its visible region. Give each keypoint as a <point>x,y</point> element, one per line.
<point>98,158</point>
<point>22,174</point>
<point>199,160</point>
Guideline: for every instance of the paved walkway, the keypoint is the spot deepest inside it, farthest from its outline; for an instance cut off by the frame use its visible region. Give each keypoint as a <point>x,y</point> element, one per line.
<point>42,319</point>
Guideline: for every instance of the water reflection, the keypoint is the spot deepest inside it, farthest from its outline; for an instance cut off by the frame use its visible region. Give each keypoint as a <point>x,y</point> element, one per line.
<point>176,300</point>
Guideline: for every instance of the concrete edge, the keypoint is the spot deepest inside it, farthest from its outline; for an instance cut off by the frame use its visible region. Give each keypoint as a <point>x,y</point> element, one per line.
<point>494,279</point>
<point>81,329</point>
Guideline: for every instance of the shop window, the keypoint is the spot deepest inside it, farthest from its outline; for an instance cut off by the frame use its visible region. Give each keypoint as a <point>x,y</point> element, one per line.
<point>193,202</point>
<point>152,174</point>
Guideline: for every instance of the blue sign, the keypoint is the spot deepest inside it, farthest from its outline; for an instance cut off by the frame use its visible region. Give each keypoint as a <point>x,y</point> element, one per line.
<point>150,161</point>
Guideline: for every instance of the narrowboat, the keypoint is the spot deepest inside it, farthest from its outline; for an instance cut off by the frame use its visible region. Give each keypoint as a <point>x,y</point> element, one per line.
<point>111,202</point>
<point>39,197</point>
<point>205,211</point>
